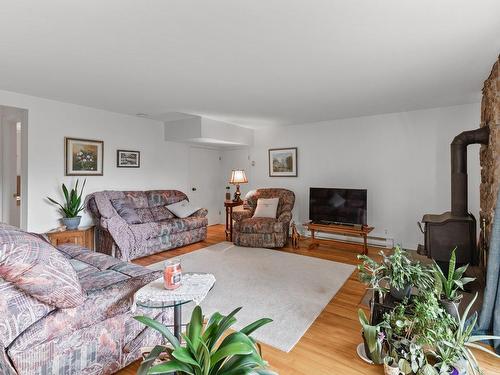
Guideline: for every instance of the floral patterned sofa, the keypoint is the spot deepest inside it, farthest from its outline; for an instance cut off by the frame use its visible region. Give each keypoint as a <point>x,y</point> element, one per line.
<point>263,231</point>
<point>156,228</point>
<point>68,310</point>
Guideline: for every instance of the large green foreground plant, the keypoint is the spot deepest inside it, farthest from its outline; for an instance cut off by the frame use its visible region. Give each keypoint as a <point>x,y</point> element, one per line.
<point>72,204</point>
<point>206,351</point>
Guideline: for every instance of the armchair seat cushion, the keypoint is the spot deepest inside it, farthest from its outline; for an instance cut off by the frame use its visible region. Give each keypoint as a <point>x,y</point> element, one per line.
<point>259,225</point>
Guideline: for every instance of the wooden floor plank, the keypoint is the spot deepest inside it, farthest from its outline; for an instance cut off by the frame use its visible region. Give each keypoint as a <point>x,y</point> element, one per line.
<point>329,346</point>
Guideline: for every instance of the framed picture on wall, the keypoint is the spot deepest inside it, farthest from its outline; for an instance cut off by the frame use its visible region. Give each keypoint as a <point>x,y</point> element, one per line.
<point>83,157</point>
<point>283,162</point>
<point>128,159</point>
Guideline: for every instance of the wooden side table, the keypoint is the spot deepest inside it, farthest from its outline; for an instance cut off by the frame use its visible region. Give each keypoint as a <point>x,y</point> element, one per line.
<point>83,236</point>
<point>229,205</point>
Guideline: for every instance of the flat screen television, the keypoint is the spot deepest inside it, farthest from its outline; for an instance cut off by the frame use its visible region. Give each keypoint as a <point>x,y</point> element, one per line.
<point>337,206</point>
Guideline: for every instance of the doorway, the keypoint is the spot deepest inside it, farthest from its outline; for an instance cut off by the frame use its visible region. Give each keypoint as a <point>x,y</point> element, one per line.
<point>205,167</point>
<point>12,131</point>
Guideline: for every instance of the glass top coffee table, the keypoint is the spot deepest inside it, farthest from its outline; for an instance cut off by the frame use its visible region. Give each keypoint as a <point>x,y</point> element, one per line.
<point>194,288</point>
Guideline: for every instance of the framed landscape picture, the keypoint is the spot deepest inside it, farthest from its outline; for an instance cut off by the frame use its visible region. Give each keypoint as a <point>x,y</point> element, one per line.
<point>283,162</point>
<point>83,157</point>
<point>128,159</point>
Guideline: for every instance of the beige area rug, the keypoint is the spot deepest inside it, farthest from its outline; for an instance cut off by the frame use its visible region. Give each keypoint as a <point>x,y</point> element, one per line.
<point>291,289</point>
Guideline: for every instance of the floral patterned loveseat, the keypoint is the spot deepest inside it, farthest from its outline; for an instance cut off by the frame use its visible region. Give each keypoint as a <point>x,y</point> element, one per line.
<point>262,231</point>
<point>68,310</point>
<point>155,228</point>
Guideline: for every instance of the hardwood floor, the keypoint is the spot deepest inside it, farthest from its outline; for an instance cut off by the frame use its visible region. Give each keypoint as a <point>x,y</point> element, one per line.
<point>329,346</point>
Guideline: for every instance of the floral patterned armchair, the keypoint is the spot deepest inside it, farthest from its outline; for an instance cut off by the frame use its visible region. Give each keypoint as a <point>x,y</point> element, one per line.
<point>262,231</point>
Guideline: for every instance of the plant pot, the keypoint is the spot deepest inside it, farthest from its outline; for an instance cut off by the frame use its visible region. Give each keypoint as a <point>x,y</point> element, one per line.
<point>72,223</point>
<point>399,294</point>
<point>390,366</point>
<point>451,307</point>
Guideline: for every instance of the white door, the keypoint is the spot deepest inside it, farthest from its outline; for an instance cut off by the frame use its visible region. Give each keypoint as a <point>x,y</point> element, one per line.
<point>205,168</point>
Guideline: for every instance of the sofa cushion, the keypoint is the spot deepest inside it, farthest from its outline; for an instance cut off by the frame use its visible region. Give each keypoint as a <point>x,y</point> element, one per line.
<point>18,310</point>
<point>126,210</point>
<point>139,199</point>
<point>37,268</point>
<point>164,197</point>
<point>145,215</point>
<point>110,286</point>
<point>258,225</point>
<point>161,213</point>
<point>182,209</point>
<point>180,225</point>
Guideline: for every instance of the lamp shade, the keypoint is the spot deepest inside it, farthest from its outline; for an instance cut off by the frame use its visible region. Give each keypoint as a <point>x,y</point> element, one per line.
<point>238,177</point>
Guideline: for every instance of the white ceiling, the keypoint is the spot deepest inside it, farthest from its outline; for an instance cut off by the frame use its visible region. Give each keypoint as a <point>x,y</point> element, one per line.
<point>254,63</point>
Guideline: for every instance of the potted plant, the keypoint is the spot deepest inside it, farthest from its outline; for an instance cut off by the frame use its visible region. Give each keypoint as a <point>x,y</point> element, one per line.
<point>209,348</point>
<point>391,366</point>
<point>396,273</point>
<point>373,337</point>
<point>400,273</point>
<point>463,340</point>
<point>71,206</point>
<point>448,286</point>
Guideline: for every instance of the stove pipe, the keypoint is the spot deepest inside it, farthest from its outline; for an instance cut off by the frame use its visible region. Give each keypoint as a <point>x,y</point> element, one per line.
<point>458,148</point>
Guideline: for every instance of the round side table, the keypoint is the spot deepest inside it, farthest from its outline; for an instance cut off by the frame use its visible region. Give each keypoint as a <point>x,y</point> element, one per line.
<point>194,288</point>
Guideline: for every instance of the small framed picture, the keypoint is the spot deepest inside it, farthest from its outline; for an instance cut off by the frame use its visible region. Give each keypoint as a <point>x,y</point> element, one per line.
<point>128,159</point>
<point>283,162</point>
<point>83,157</point>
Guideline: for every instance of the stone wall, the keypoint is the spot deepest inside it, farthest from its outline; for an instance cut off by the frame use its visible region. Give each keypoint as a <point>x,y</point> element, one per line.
<point>490,155</point>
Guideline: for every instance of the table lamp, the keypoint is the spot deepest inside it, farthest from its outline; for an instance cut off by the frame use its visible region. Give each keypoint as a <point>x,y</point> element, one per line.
<point>238,177</point>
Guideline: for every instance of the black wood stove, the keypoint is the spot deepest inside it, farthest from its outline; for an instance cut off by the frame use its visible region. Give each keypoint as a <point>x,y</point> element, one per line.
<point>455,228</point>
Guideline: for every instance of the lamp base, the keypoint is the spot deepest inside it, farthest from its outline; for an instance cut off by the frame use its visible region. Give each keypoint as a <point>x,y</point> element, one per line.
<point>237,194</point>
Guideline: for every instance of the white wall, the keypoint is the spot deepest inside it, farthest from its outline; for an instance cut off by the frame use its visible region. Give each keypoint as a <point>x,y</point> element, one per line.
<point>164,165</point>
<point>402,159</point>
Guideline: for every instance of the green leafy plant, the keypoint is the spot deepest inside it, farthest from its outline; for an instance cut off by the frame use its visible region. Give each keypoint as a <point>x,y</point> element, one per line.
<point>374,338</point>
<point>72,204</point>
<point>463,340</point>
<point>396,270</point>
<point>448,286</point>
<point>209,349</point>
<point>412,359</point>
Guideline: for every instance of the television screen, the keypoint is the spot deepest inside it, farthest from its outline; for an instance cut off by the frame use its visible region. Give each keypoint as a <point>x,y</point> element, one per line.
<point>341,206</point>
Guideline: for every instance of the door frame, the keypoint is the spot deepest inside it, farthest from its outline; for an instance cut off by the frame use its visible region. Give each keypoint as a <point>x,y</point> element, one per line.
<point>21,116</point>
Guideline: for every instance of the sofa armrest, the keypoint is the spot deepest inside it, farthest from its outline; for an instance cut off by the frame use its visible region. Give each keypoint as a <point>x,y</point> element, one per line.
<point>285,217</point>
<point>242,214</point>
<point>202,212</point>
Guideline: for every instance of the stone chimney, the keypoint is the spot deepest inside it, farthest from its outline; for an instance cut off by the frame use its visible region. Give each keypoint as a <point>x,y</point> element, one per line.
<point>490,154</point>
